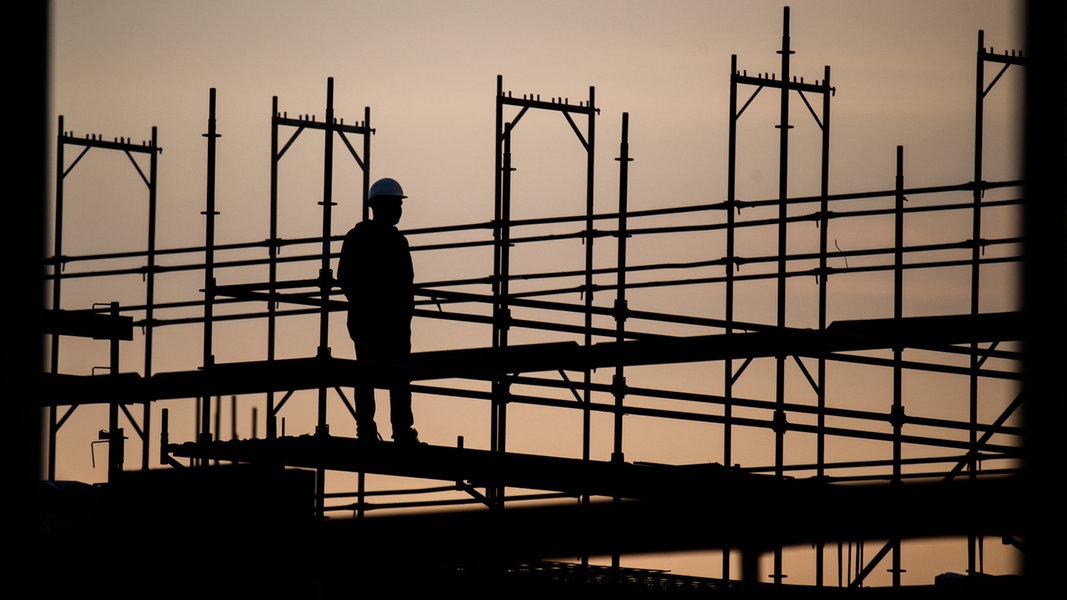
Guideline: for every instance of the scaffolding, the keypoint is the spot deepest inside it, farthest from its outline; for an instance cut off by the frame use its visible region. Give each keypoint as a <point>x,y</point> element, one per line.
<point>594,346</point>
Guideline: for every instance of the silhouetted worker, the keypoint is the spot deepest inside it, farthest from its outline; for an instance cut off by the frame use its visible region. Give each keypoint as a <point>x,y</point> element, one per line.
<point>376,276</point>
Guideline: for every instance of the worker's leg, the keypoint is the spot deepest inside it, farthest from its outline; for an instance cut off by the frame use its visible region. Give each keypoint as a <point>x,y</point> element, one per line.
<point>363,396</point>
<point>366,428</point>
<point>400,414</point>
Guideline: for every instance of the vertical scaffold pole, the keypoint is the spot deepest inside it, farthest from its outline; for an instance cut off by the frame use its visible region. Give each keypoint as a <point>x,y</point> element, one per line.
<point>589,212</point>
<point>502,311</point>
<point>619,380</point>
<point>209,257</point>
<point>824,280</point>
<point>116,440</point>
<point>897,418</point>
<point>505,286</point>
<point>619,384</point>
<point>150,292</point>
<point>976,251</point>
<point>325,279</point>
<point>361,477</point>
<point>498,226</point>
<point>57,278</point>
<point>731,208</point>
<point>783,213</point>
<point>325,284</point>
<point>365,212</point>
<point>272,265</point>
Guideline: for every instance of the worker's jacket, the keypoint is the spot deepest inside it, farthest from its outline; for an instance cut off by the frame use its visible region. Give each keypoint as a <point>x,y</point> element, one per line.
<point>376,275</point>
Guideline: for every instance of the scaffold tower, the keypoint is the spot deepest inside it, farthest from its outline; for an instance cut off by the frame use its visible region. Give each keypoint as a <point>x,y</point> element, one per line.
<point>855,451</point>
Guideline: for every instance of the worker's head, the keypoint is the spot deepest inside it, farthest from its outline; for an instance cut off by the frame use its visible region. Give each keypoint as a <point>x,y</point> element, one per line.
<point>385,199</point>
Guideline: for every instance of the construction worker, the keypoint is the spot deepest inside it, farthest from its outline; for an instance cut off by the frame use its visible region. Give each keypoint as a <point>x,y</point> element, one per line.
<point>376,276</point>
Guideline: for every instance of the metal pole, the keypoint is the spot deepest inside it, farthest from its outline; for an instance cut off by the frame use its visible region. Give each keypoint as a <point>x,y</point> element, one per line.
<point>783,194</point>
<point>497,247</point>
<point>502,317</point>
<point>272,267</point>
<point>505,284</point>
<point>114,433</point>
<point>620,278</point>
<point>325,279</point>
<point>57,271</point>
<point>589,210</point>
<point>324,269</point>
<point>150,294</point>
<point>898,313</point>
<point>731,199</point>
<point>209,250</point>
<point>365,211</point>
<point>824,280</point>
<point>619,381</point>
<point>976,237</point>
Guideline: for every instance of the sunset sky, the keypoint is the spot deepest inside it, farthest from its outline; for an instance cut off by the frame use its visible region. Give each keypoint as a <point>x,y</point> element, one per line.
<point>903,73</point>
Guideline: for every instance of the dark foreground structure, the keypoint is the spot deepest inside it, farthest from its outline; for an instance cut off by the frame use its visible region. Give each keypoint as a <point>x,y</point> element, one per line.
<point>211,514</point>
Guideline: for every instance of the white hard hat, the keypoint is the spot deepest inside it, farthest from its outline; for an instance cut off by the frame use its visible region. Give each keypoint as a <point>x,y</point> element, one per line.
<point>387,187</point>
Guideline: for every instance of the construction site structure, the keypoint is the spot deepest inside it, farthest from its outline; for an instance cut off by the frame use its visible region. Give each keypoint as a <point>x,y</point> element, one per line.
<point>493,516</point>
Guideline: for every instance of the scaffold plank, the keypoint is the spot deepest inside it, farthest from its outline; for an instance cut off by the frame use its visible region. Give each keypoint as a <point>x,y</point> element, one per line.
<point>488,363</point>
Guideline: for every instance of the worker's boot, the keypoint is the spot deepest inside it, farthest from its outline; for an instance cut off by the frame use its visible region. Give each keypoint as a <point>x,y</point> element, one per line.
<point>368,432</point>
<point>407,436</point>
